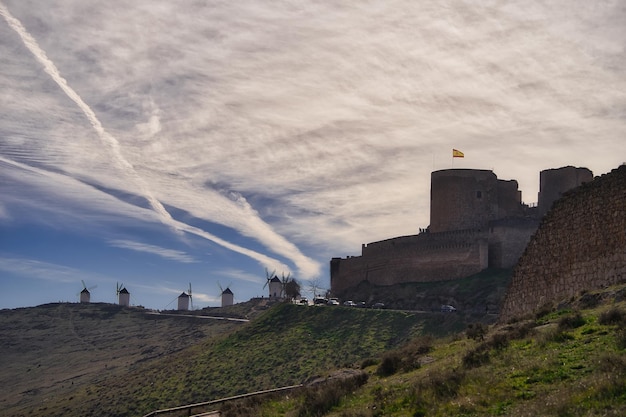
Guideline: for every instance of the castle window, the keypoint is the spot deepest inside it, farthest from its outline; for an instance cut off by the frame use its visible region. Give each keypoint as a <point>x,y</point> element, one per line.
<point>479,194</point>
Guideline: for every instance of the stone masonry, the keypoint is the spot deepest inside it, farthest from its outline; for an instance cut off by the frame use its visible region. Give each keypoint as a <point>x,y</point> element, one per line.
<point>580,245</point>
<point>477,221</point>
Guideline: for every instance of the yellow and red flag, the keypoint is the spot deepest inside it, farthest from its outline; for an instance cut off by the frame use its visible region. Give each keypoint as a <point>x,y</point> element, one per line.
<point>457,154</point>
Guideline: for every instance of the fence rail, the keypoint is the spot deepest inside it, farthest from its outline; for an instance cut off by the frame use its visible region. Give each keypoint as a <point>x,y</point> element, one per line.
<point>189,407</point>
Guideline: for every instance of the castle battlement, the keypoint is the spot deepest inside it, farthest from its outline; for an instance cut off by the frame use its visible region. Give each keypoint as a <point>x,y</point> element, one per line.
<point>476,221</point>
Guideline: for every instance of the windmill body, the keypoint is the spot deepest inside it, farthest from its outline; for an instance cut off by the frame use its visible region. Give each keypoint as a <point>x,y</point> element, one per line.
<point>183,302</point>
<point>228,298</point>
<point>123,297</point>
<point>85,296</point>
<point>276,287</point>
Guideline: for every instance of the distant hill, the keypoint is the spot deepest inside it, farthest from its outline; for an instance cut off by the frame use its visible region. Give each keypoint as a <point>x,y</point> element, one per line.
<point>48,352</point>
<point>101,359</point>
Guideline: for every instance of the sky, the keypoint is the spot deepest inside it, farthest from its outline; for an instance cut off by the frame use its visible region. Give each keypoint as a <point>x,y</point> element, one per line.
<point>160,144</point>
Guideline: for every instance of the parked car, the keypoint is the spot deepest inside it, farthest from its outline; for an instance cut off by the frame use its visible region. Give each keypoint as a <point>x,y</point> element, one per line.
<point>320,301</point>
<point>378,305</point>
<point>361,304</point>
<point>447,309</point>
<point>304,301</point>
<point>333,302</point>
<point>349,303</point>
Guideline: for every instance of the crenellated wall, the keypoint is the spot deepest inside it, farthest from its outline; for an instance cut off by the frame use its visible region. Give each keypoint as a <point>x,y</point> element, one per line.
<point>580,245</point>
<point>420,258</point>
<point>476,221</point>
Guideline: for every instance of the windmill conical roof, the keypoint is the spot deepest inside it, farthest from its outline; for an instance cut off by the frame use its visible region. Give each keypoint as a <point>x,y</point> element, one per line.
<point>85,290</point>
<point>227,291</point>
<point>124,291</point>
<point>184,295</point>
<point>275,279</point>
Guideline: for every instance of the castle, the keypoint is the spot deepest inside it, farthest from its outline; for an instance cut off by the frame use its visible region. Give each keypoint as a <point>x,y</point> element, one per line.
<point>477,221</point>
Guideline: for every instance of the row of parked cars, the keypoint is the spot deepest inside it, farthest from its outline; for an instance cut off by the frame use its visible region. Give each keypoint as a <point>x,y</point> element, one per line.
<point>362,304</point>
<point>349,303</point>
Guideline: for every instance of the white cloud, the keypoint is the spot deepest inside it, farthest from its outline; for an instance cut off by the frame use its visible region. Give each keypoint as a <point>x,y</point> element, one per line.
<point>32,268</point>
<point>302,124</point>
<point>171,254</point>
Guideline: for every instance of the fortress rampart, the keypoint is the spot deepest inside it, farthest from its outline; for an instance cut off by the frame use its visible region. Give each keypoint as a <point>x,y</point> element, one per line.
<point>418,258</point>
<point>476,221</point>
<point>580,245</point>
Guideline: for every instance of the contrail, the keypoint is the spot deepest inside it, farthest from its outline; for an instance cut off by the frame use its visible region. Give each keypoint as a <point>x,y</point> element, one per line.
<point>107,138</point>
<point>114,145</point>
<point>259,257</point>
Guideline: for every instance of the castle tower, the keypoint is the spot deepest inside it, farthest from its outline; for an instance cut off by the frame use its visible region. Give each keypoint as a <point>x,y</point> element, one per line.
<point>554,182</point>
<point>461,199</point>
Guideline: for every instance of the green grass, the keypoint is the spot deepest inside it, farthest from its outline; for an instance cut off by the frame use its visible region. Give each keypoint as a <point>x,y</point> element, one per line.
<point>567,362</point>
<point>285,345</point>
<point>564,363</point>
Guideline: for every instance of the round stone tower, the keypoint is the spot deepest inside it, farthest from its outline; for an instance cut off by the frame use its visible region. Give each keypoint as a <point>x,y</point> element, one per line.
<point>462,199</point>
<point>554,182</point>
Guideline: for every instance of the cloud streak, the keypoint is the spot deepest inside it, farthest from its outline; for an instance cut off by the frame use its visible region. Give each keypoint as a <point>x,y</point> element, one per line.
<point>173,255</point>
<point>294,131</point>
<point>32,268</point>
<point>308,267</point>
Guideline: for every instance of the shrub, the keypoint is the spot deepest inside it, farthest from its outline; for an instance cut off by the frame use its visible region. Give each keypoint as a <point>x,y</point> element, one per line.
<point>613,316</point>
<point>444,384</point>
<point>544,310</point>
<point>572,321</point>
<point>369,362</point>
<point>476,357</point>
<point>589,300</point>
<point>405,358</point>
<point>476,331</point>
<point>390,364</point>
<point>319,399</point>
<point>498,341</point>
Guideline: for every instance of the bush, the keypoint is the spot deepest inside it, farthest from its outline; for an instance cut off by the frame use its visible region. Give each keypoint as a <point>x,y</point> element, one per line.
<point>544,310</point>
<point>613,316</point>
<point>498,341</point>
<point>405,358</point>
<point>444,384</point>
<point>476,331</point>
<point>320,399</point>
<point>571,321</point>
<point>369,362</point>
<point>390,364</point>
<point>476,357</point>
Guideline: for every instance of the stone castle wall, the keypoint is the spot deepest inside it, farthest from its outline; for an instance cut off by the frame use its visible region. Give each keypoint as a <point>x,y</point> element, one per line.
<point>419,258</point>
<point>508,239</point>
<point>476,221</point>
<point>580,245</point>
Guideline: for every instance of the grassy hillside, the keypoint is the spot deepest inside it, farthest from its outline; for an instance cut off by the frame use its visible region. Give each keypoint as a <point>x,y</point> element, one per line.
<point>284,345</point>
<point>47,352</point>
<point>566,361</point>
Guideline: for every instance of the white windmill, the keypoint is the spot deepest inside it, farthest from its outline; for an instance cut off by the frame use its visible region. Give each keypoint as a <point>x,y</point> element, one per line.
<point>228,298</point>
<point>123,296</point>
<point>274,284</point>
<point>185,299</point>
<point>85,295</point>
